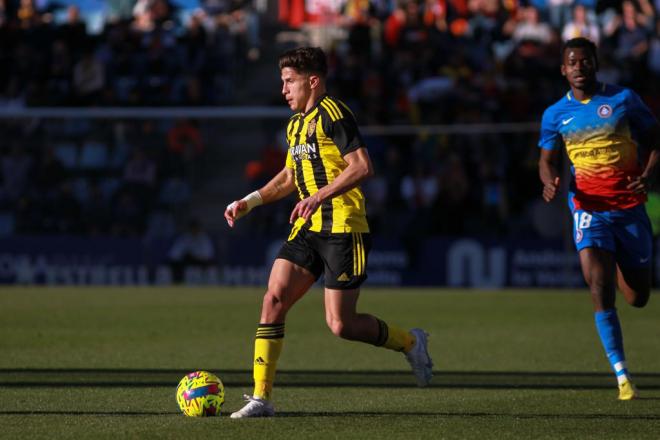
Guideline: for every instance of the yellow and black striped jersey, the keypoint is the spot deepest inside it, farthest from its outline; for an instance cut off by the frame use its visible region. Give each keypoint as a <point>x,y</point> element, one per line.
<point>318,140</point>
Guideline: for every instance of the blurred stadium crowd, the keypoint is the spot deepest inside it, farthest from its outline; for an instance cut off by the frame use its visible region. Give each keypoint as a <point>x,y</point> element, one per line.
<point>73,184</point>
<point>412,62</point>
<point>474,57</point>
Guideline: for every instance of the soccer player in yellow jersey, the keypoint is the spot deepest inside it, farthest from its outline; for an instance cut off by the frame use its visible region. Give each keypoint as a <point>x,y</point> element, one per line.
<point>326,162</point>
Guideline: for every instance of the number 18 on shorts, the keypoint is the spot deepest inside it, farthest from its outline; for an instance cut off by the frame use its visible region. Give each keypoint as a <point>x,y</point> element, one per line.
<point>626,233</point>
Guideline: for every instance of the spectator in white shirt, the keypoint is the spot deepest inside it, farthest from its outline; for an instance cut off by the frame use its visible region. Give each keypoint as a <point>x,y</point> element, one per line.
<point>581,27</point>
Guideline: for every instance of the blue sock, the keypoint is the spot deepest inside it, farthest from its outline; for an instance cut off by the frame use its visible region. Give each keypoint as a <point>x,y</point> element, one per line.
<point>609,330</point>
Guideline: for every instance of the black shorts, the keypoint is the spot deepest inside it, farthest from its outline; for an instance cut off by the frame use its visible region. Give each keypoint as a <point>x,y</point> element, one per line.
<point>341,257</point>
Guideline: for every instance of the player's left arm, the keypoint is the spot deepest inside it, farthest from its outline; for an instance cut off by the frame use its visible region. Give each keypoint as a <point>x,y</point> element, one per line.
<point>643,122</point>
<point>359,168</point>
<point>642,183</point>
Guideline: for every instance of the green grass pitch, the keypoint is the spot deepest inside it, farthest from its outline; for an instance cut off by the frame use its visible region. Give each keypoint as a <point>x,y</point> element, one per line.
<point>104,363</point>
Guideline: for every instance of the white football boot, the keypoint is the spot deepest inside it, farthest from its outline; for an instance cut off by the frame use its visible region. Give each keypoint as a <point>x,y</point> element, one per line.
<point>255,407</point>
<point>419,359</point>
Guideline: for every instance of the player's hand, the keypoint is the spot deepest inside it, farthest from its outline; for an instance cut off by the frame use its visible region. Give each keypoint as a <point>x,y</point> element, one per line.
<point>305,208</point>
<point>550,189</point>
<point>638,184</point>
<point>234,211</point>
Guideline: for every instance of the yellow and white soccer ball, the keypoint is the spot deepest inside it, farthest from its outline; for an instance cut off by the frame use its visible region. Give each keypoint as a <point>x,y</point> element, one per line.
<point>200,394</point>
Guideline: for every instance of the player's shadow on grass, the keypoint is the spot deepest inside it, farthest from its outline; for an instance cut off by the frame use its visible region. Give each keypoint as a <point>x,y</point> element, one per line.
<point>88,413</point>
<point>149,378</point>
<point>475,415</point>
<point>327,414</point>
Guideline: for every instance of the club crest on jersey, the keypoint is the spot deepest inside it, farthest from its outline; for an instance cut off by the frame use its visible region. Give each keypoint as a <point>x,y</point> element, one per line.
<point>578,235</point>
<point>604,111</point>
<point>311,128</point>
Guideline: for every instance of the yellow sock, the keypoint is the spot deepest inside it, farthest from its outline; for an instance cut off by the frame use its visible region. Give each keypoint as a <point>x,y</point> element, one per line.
<point>267,349</point>
<point>395,338</point>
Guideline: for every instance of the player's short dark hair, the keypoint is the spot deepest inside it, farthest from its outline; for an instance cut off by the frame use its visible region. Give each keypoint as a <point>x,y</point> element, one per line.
<point>305,60</point>
<point>580,43</point>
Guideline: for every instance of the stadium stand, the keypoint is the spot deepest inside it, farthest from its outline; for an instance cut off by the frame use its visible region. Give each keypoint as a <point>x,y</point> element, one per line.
<point>410,62</point>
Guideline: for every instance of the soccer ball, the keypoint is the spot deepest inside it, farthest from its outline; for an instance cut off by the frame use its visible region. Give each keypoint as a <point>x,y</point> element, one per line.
<point>200,394</point>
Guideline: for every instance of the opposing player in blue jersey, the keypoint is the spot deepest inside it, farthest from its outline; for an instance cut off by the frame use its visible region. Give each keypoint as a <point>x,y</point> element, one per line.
<point>612,140</point>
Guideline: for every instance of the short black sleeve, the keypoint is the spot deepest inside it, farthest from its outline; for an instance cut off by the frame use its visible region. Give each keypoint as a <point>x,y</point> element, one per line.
<point>345,134</point>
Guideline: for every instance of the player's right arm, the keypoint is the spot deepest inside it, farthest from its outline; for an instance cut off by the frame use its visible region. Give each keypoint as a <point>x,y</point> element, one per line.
<point>549,142</point>
<point>277,188</point>
<point>549,174</point>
